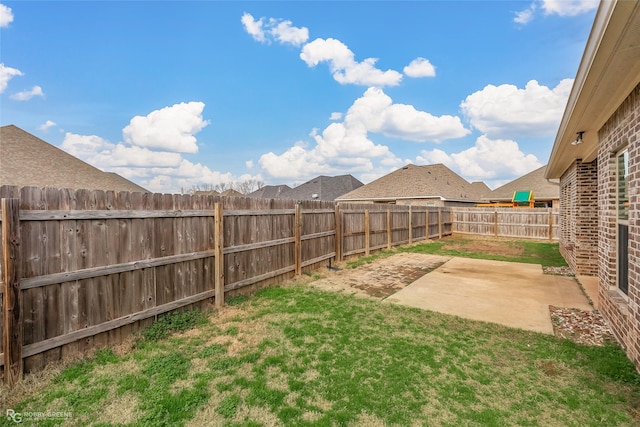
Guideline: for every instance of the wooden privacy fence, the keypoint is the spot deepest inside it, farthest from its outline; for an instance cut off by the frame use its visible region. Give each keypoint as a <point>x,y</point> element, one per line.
<point>522,223</point>
<point>84,269</point>
<point>369,227</point>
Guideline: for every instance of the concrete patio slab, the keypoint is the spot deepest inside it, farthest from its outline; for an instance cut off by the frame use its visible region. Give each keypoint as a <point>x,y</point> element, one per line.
<point>512,294</point>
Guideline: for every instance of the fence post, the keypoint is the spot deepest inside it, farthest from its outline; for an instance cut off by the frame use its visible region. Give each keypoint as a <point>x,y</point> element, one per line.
<point>550,224</point>
<point>388,229</point>
<point>439,223</point>
<point>337,222</point>
<point>219,253</point>
<point>297,236</point>
<point>427,224</point>
<point>410,227</point>
<point>495,223</point>
<point>12,310</point>
<point>366,232</point>
<point>452,218</point>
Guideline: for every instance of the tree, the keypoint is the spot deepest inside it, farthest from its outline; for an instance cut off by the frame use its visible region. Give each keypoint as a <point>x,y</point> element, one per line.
<point>245,187</point>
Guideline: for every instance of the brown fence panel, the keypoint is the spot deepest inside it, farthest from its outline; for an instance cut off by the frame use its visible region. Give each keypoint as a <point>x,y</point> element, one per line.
<point>399,225</point>
<point>378,229</point>
<point>522,223</point>
<point>479,221</point>
<point>318,235</point>
<point>353,230</point>
<point>79,276</point>
<point>97,266</point>
<point>418,223</point>
<point>259,240</point>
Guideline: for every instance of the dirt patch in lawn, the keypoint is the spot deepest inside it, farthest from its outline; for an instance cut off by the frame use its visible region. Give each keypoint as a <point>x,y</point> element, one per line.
<point>487,246</point>
<point>381,277</point>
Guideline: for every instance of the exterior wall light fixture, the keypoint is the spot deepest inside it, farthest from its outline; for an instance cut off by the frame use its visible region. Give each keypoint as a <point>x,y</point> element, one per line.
<point>578,139</point>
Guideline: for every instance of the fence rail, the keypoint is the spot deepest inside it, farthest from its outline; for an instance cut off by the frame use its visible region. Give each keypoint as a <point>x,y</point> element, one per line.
<point>522,223</point>
<point>84,269</point>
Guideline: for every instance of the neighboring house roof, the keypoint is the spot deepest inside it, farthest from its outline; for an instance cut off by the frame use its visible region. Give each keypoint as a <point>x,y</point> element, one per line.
<point>416,182</point>
<point>323,188</point>
<point>608,72</point>
<point>26,160</point>
<point>533,181</point>
<point>480,189</point>
<point>231,193</point>
<point>269,191</point>
<point>206,193</point>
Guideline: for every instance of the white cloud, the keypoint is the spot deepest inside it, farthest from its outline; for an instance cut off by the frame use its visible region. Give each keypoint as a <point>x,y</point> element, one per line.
<point>84,146</point>
<point>282,31</point>
<point>420,67</point>
<point>170,128</point>
<point>147,157</point>
<point>340,149</point>
<point>346,148</point>
<point>26,95</point>
<point>489,159</point>
<point>157,171</point>
<point>6,74</point>
<point>105,155</point>
<point>6,16</point>
<point>249,164</point>
<point>285,32</point>
<point>335,116</point>
<point>344,68</point>
<point>376,111</point>
<point>525,16</point>
<point>343,65</point>
<point>47,125</point>
<point>254,28</point>
<point>555,7</point>
<point>506,111</point>
<point>568,7</point>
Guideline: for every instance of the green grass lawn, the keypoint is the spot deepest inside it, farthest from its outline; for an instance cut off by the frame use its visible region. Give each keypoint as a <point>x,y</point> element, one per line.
<point>527,251</point>
<point>297,356</point>
<point>532,252</point>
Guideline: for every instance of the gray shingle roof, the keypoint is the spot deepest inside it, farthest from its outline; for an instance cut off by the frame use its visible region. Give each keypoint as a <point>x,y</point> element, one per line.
<point>419,182</point>
<point>26,160</point>
<point>533,181</point>
<point>325,187</point>
<point>269,191</point>
<point>480,189</point>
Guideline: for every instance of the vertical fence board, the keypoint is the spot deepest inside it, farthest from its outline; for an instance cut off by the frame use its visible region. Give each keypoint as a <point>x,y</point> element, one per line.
<point>219,257</point>
<point>297,243</point>
<point>367,232</point>
<point>338,228</point>
<point>12,310</point>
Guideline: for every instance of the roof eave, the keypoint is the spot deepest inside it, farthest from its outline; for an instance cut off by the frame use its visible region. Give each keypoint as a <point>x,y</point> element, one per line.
<point>608,72</point>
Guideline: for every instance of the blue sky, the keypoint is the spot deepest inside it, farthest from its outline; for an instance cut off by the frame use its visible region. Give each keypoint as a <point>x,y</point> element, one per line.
<point>174,95</point>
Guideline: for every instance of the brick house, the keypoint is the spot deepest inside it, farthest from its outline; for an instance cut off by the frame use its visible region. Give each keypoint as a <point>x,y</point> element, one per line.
<point>596,156</point>
<point>428,185</point>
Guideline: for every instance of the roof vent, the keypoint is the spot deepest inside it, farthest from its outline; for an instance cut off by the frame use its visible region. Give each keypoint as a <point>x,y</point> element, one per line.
<point>405,167</point>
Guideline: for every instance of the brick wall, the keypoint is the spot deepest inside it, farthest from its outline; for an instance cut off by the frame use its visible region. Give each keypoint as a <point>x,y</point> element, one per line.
<point>621,311</point>
<point>579,217</point>
<point>568,197</point>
